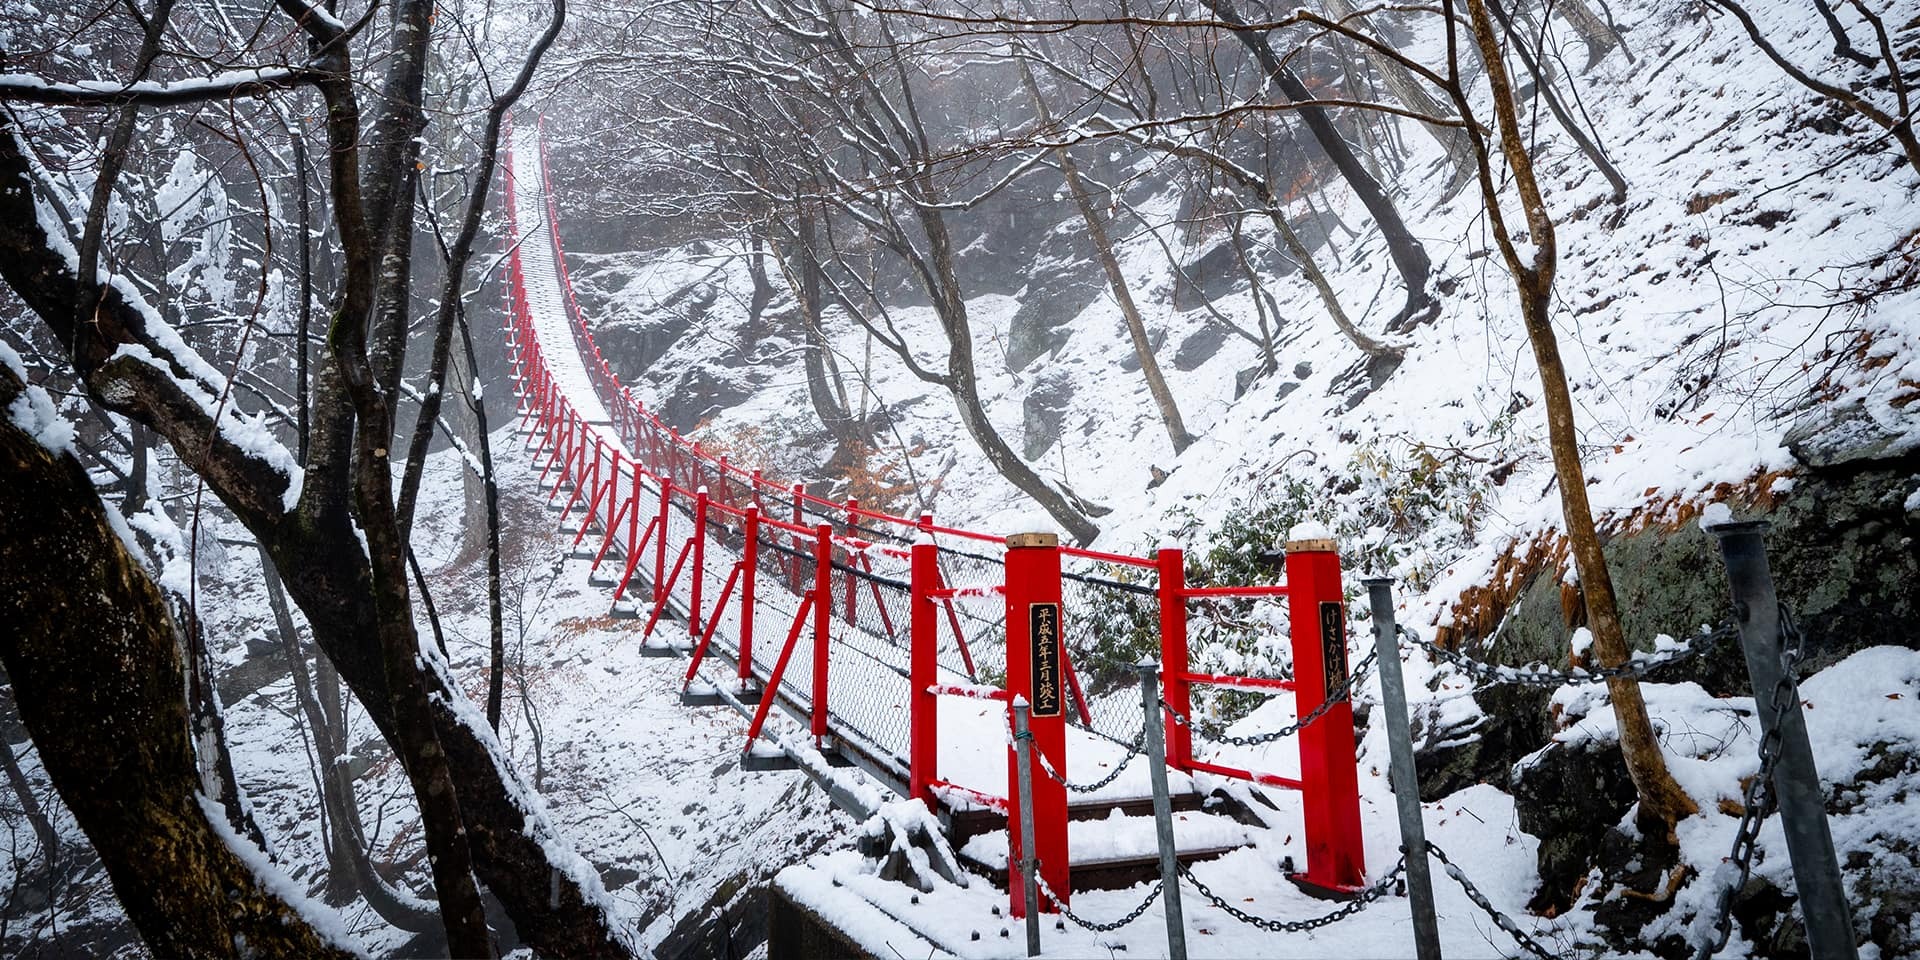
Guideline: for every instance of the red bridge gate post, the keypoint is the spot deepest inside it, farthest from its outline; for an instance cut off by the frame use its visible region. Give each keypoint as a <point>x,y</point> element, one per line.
<point>1035,670</point>
<point>923,632</point>
<point>1329,791</point>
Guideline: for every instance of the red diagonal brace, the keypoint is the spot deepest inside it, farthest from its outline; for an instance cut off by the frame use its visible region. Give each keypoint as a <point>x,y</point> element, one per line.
<point>700,649</point>
<point>779,670</point>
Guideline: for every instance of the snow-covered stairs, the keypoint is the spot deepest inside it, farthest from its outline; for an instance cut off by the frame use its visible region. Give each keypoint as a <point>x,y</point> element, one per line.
<point>1112,844</point>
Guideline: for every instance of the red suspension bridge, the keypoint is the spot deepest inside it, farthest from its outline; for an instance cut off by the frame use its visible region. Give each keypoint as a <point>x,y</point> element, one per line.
<point>898,643</point>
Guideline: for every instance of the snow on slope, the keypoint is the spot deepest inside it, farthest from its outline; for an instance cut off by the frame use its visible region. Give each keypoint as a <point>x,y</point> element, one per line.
<point>1696,324</point>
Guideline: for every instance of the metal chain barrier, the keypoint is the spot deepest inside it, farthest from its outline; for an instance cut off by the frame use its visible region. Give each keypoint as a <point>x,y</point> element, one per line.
<point>1541,675</point>
<point>1082,922</point>
<point>1133,750</point>
<point>1339,696</point>
<point>1758,798</point>
<point>1486,906</point>
<point>1360,902</point>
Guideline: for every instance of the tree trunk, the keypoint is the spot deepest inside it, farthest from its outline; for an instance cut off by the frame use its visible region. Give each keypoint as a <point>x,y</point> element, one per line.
<point>1409,257</point>
<point>1662,801</point>
<point>762,291</point>
<point>217,779</point>
<point>1116,281</point>
<point>452,295</point>
<point>964,383</point>
<point>1596,33</point>
<point>97,669</point>
<point>1543,84</point>
<point>519,853</point>
<point>1309,268</point>
<point>1414,97</point>
<point>496,616</point>
<point>350,871</point>
<point>802,271</point>
<point>415,733</point>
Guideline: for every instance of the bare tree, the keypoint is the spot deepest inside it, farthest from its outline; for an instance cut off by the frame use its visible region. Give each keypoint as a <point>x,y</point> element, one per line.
<point>1116,281</point>
<point>1662,801</point>
<point>479,816</point>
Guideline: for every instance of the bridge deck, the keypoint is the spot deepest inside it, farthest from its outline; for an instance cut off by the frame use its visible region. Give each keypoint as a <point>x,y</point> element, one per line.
<point>546,300</point>
<point>867,689</point>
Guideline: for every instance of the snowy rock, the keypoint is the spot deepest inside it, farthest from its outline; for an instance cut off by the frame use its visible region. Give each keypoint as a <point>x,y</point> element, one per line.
<point>1832,436</point>
<point>1044,413</point>
<point>1569,795</point>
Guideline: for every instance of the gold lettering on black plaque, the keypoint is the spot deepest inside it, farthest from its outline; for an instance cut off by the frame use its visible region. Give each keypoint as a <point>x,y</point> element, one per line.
<point>1333,644</point>
<point>1043,628</point>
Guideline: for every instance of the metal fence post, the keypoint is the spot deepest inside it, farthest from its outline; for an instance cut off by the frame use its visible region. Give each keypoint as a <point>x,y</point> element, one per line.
<point>1156,759</point>
<point>700,501</point>
<point>1023,757</point>
<point>1796,782</point>
<point>822,629</point>
<point>1401,773</point>
<point>750,553</point>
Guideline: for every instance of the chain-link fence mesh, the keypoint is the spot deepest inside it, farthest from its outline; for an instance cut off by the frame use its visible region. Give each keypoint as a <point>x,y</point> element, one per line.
<point>973,625</point>
<point>1109,625</point>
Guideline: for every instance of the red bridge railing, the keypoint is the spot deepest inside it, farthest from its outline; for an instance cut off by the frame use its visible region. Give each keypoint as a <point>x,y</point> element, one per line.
<point>884,615</point>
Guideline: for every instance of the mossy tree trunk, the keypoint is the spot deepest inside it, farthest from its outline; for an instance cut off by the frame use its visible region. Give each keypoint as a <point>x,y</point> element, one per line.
<point>95,661</point>
<point>1662,801</point>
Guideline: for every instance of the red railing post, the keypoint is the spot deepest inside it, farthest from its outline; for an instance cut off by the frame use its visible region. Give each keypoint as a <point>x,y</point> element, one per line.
<point>799,492</point>
<point>699,559</point>
<point>633,515</point>
<point>1174,665</point>
<point>923,671</point>
<point>1035,671</point>
<point>1329,793</point>
<point>853,517</point>
<point>750,556</point>
<point>660,542</point>
<point>822,626</point>
<point>613,490</point>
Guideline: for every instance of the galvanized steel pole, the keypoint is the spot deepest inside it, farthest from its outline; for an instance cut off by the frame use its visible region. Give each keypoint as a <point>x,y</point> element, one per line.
<point>1155,755</point>
<point>1023,759</point>
<point>1401,773</point>
<point>1796,782</point>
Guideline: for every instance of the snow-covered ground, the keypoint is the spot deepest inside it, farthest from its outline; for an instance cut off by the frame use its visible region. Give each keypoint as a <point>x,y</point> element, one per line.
<point>1695,332</point>
<point>1699,322</point>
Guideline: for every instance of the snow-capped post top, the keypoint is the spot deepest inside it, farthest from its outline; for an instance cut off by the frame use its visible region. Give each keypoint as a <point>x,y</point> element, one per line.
<point>1038,530</point>
<point>1309,536</point>
<point>1718,519</point>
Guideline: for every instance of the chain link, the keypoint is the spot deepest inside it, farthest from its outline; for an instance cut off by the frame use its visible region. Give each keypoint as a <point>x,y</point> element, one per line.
<point>1082,922</point>
<point>1360,902</point>
<point>1340,695</point>
<point>1134,749</point>
<point>1486,906</point>
<point>1540,675</point>
<point>1758,799</point>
